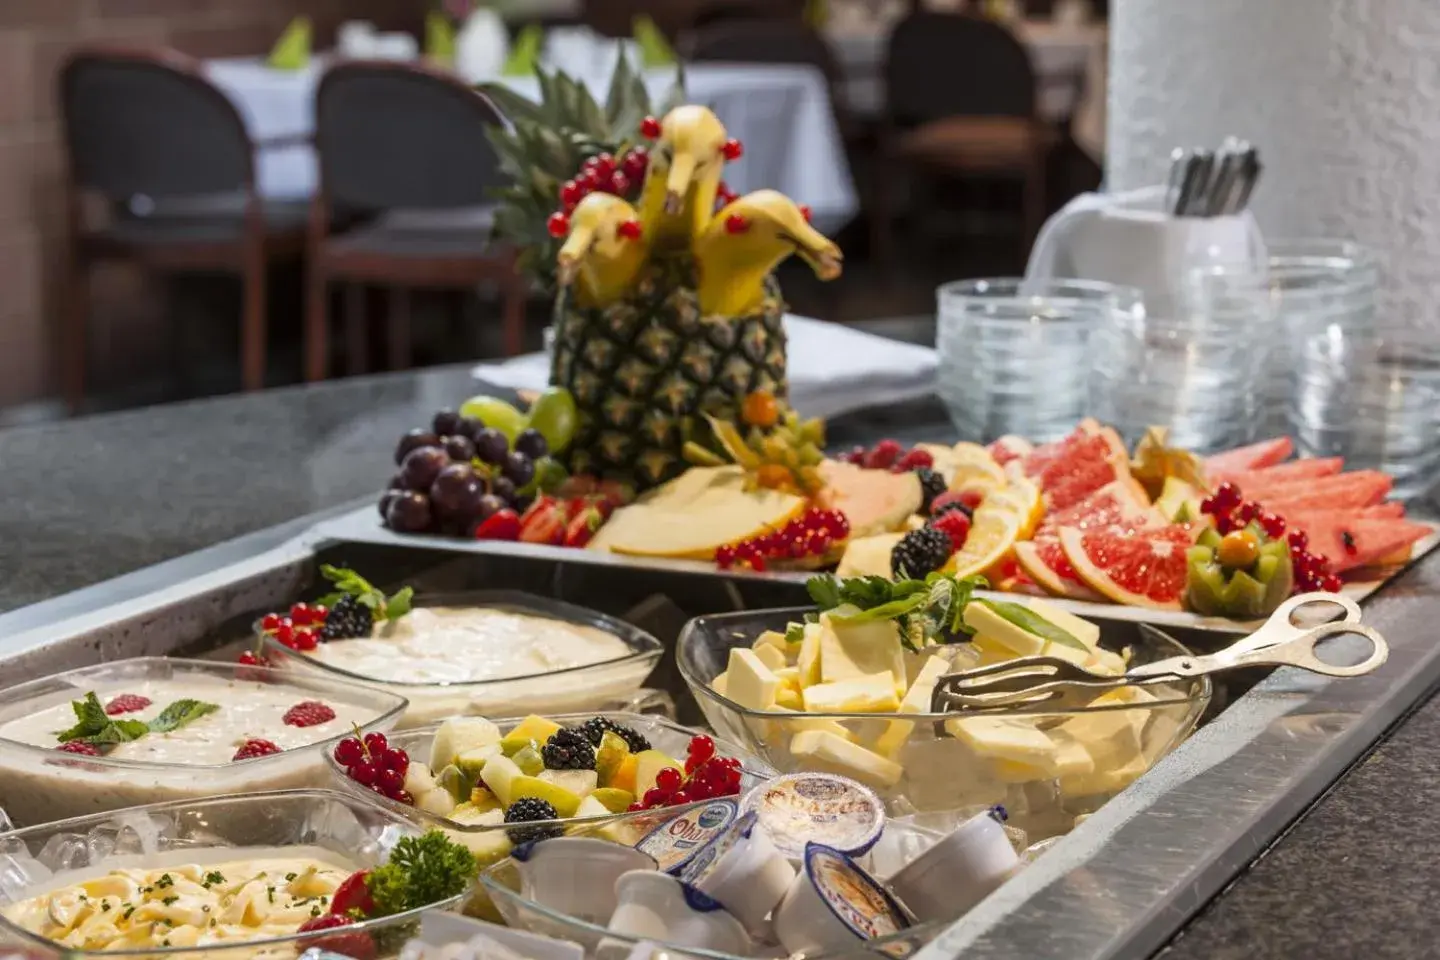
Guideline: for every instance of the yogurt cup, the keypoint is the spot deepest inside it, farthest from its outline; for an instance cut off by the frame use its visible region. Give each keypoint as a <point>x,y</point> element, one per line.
<point>833,904</point>
<point>656,906</point>
<point>677,840</point>
<point>800,808</point>
<point>743,870</point>
<point>959,871</point>
<point>576,875</point>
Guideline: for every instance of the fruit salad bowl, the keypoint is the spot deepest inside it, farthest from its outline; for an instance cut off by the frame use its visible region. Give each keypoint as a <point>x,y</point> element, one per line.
<point>921,762</point>
<point>196,850</point>
<point>435,783</point>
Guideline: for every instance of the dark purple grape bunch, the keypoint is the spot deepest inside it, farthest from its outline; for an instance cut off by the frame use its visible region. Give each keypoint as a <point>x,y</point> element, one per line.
<point>460,472</point>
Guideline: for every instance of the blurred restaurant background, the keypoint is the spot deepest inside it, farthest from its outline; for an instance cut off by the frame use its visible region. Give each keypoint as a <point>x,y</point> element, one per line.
<point>929,154</point>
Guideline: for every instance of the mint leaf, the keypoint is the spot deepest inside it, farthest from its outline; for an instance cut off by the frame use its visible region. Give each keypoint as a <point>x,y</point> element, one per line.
<point>118,731</point>
<point>351,584</point>
<point>90,719</point>
<point>179,713</point>
<point>824,590</point>
<point>400,604</point>
<point>892,610</point>
<point>1031,622</point>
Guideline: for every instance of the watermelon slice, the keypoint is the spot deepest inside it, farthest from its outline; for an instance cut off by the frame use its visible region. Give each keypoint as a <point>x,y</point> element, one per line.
<point>1349,542</point>
<point>1302,469</point>
<point>1359,488</point>
<point>1145,568</point>
<point>1256,456</point>
<point>1391,508</point>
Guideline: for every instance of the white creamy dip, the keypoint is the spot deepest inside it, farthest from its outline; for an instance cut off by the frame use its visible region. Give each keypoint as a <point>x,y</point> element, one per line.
<point>217,896</point>
<point>466,645</point>
<point>247,711</point>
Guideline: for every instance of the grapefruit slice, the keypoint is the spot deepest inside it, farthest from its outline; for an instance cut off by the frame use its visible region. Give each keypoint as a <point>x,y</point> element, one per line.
<point>874,501</point>
<point>1144,568</point>
<point>1359,488</point>
<point>994,530</point>
<point>1349,541</point>
<point>1256,456</point>
<point>1302,469</point>
<point>1009,447</point>
<point>1044,560</point>
<point>1087,462</point>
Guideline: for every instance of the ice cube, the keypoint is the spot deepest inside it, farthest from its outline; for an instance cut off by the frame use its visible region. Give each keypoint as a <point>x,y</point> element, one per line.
<point>64,851</point>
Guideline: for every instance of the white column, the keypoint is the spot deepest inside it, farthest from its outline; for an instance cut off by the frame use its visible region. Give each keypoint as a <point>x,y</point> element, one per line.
<point>1341,96</point>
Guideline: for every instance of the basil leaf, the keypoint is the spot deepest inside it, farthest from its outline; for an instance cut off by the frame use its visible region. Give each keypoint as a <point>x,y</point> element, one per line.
<point>180,713</point>
<point>1031,622</point>
<point>887,611</point>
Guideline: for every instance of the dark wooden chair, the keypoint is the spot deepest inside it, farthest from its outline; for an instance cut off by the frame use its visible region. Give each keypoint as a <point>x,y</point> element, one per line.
<point>403,149</point>
<point>960,100</point>
<point>167,156</point>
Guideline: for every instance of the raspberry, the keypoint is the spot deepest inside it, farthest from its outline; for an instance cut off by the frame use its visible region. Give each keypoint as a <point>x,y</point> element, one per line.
<point>949,501</point>
<point>126,703</point>
<point>914,460</point>
<point>308,713</point>
<point>955,524</point>
<point>883,455</point>
<point>81,747</point>
<point>255,748</point>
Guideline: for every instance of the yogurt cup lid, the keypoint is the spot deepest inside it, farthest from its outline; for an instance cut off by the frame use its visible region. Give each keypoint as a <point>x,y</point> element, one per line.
<point>677,840</point>
<point>835,811</point>
<point>855,897</point>
<point>699,865</point>
<point>698,901</point>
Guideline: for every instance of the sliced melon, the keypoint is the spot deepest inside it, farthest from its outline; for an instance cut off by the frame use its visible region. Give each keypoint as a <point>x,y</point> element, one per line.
<point>874,501</point>
<point>869,556</point>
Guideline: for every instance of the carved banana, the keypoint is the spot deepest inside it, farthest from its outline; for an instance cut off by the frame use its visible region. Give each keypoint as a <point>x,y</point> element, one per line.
<point>686,161</point>
<point>604,251</point>
<point>746,241</point>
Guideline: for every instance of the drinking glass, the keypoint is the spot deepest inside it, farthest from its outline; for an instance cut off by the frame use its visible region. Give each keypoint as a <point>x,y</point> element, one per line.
<point>1371,395</point>
<point>1014,352</point>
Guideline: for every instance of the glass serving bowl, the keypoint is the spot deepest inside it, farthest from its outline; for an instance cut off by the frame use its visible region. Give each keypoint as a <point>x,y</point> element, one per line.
<point>490,841</point>
<point>213,830</point>
<point>941,772</point>
<point>593,686</point>
<point>40,784</point>
<point>900,843</point>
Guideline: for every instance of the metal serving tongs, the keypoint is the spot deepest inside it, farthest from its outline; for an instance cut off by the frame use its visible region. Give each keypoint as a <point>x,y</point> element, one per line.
<point>1051,683</point>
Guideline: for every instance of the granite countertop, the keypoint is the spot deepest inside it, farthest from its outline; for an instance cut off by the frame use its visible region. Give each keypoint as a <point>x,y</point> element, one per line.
<point>92,499</point>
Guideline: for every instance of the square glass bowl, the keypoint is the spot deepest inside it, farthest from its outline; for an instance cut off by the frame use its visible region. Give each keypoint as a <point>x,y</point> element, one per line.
<point>941,772</point>
<point>40,784</point>
<point>490,840</point>
<point>217,829</point>
<point>592,686</point>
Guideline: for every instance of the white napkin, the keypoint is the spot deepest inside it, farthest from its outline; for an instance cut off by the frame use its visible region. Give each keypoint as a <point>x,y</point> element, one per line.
<point>833,369</point>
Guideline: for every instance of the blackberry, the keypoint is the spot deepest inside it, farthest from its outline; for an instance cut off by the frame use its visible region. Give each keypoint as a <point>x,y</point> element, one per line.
<point>931,486</point>
<point>568,749</point>
<point>920,552</point>
<point>945,508</point>
<point>595,728</point>
<point>349,618</point>
<point>528,809</point>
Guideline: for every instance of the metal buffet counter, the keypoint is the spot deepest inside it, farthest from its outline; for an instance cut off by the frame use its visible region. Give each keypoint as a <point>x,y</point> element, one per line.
<point>1121,885</point>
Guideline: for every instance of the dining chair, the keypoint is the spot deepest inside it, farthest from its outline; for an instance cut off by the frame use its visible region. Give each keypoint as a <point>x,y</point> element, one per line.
<point>166,154</point>
<point>403,149</point>
<point>960,100</point>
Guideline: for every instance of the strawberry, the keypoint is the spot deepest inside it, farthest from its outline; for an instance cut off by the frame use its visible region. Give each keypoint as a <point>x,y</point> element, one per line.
<point>255,748</point>
<point>352,898</point>
<point>500,525</point>
<point>308,713</point>
<point>583,524</point>
<point>356,944</point>
<point>955,525</point>
<point>126,703</point>
<point>544,522</point>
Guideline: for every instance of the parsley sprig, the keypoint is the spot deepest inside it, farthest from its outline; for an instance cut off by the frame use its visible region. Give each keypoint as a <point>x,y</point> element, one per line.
<point>927,611</point>
<point>94,725</point>
<point>349,583</point>
<point>421,871</point>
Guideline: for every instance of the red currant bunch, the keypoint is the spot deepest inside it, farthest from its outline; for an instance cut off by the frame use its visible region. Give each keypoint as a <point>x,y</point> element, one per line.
<point>298,631</point>
<point>1231,511</point>
<point>602,173</point>
<point>810,535</point>
<point>890,455</point>
<point>706,777</point>
<point>371,762</point>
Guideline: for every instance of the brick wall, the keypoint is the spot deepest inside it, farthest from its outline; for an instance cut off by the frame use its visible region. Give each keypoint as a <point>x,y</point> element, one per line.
<point>34,37</point>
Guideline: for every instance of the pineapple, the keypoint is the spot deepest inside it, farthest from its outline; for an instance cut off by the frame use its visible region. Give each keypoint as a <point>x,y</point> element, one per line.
<point>648,366</point>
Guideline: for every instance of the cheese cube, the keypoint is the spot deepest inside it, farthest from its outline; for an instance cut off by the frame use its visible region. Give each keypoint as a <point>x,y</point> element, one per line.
<point>1001,738</point>
<point>826,752</point>
<point>849,650</point>
<point>1083,630</point>
<point>1013,771</point>
<point>1102,780</point>
<point>993,631</point>
<point>808,660</point>
<point>1065,651</point>
<point>869,694</point>
<point>789,698</point>
<point>917,700</point>
<point>802,722</point>
<point>719,683</point>
<point>1103,661</point>
<point>751,683</point>
<point>1111,737</point>
<point>789,677</point>
<point>770,638</point>
<point>770,656</point>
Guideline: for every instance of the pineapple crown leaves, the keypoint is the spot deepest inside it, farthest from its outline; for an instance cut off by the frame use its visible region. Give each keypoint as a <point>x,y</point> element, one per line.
<point>546,143</point>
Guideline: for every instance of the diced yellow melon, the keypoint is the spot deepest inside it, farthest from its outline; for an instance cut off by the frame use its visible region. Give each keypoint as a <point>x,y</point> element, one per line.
<point>874,693</point>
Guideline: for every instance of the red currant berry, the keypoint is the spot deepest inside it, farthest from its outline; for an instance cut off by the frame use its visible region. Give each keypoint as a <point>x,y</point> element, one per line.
<point>668,780</point>
<point>405,797</point>
<point>349,752</point>
<point>306,640</point>
<point>692,765</point>
<point>1273,524</point>
<point>655,797</point>
<point>630,230</point>
<point>679,797</point>
<point>363,773</point>
<point>1246,512</point>
<point>269,622</point>
<point>300,614</point>
<point>618,184</point>
<point>395,759</point>
<point>733,149</point>
<point>571,193</point>
<point>558,225</point>
<point>1227,495</point>
<point>736,224</point>
<point>1331,583</point>
<point>701,746</point>
<point>725,557</point>
<point>318,613</point>
<point>1225,522</point>
<point>1209,507</point>
<point>758,564</point>
<point>603,164</point>
<point>729,763</point>
<point>250,659</point>
<point>285,634</point>
<point>1298,540</point>
<point>391,782</point>
<point>635,807</point>
<point>635,164</point>
<point>806,212</point>
<point>650,128</point>
<point>376,744</point>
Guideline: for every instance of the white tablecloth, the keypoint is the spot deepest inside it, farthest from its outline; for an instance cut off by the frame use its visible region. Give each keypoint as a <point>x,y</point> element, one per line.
<point>781,113</point>
<point>1070,73</point>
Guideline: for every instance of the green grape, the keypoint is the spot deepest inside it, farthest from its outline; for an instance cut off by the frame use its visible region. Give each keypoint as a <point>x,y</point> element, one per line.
<point>494,412</point>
